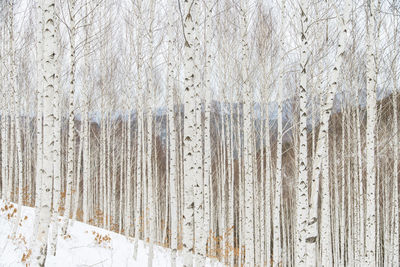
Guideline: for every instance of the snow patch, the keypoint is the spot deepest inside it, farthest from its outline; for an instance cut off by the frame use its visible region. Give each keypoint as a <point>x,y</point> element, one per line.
<point>84,245</point>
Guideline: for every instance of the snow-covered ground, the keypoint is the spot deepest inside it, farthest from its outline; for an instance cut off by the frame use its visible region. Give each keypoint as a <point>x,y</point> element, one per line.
<point>85,245</point>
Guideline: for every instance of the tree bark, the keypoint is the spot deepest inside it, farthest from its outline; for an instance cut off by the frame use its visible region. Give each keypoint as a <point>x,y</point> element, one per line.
<point>370,229</point>
<point>49,74</point>
<point>191,157</point>
<point>302,183</point>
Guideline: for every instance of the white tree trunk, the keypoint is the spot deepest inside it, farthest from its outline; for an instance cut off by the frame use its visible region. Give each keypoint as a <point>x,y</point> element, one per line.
<point>86,122</point>
<point>71,133</point>
<point>140,163</point>
<point>360,211</point>
<point>395,256</point>
<point>302,183</point>
<point>278,175</point>
<point>321,154</point>
<point>109,175</point>
<point>370,139</point>
<point>150,156</point>
<point>103,154</point>
<point>207,127</point>
<point>4,120</point>
<point>191,160</point>
<point>326,231</point>
<point>267,189</point>
<point>128,178</point>
<point>173,186</point>
<point>15,115</point>
<point>39,119</point>
<point>56,153</point>
<point>248,137</point>
<point>50,56</point>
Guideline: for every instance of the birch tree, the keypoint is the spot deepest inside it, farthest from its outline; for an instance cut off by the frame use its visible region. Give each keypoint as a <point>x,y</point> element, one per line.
<point>395,256</point>
<point>86,122</point>
<point>140,128</point>
<point>321,155</point>
<point>191,87</point>
<point>302,183</point>
<point>56,153</point>
<point>39,117</point>
<point>370,228</point>
<point>71,134</point>
<point>16,111</point>
<point>248,153</point>
<point>150,156</point>
<point>198,173</point>
<point>49,76</point>
<point>173,189</point>
<point>4,113</point>
<point>278,175</point>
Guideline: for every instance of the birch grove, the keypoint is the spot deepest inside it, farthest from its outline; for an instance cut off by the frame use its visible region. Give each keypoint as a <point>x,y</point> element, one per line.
<point>249,133</point>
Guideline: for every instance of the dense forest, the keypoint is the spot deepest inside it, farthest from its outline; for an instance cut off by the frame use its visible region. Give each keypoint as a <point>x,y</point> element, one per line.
<point>254,133</point>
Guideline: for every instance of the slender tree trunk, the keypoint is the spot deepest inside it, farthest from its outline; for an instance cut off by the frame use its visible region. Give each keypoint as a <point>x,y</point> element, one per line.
<point>278,175</point>
<point>78,176</point>
<point>370,137</point>
<point>56,154</point>
<point>149,142</point>
<point>173,190</point>
<point>248,137</point>
<point>191,157</point>
<point>302,183</point>
<point>86,124</point>
<point>207,129</point>
<point>15,115</point>
<point>71,133</point>
<point>128,207</point>
<point>140,164</point>
<point>4,119</point>
<point>395,258</point>
<point>50,44</point>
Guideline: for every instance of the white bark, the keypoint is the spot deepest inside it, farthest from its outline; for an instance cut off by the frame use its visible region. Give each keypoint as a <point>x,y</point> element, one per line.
<point>198,181</point>
<point>4,119</point>
<point>278,175</point>
<point>150,156</point>
<point>321,155</point>
<point>56,153</point>
<point>370,229</point>
<point>86,122</point>
<point>103,154</point>
<point>71,133</point>
<point>113,185</point>
<point>140,138</point>
<point>15,115</point>
<point>78,176</point>
<point>248,137</point>
<point>336,206</point>
<point>361,219</point>
<point>109,173</point>
<point>39,119</point>
<point>129,191</point>
<point>128,177</point>
<point>325,241</point>
<point>50,45</point>
<point>395,246</point>
<point>267,190</point>
<point>192,87</point>
<point>207,128</point>
<point>173,186</point>
<point>302,183</point>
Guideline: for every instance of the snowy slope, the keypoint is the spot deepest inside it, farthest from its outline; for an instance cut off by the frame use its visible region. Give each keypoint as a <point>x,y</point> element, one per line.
<point>79,248</point>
